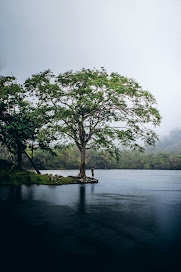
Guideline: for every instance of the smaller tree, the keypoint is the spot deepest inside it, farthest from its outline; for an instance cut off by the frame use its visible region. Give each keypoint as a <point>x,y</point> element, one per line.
<point>20,123</point>
<point>11,101</point>
<point>94,109</point>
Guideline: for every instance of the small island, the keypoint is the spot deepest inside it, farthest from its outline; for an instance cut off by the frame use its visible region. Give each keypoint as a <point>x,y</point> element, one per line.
<point>19,177</point>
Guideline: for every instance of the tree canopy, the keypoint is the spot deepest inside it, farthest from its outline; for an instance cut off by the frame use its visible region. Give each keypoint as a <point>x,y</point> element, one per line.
<point>94,109</point>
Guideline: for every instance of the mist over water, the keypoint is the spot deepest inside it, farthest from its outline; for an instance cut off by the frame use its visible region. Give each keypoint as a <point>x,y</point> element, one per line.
<point>130,220</point>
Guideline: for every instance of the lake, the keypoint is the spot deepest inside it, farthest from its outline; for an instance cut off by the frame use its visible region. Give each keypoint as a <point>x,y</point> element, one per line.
<point>129,221</point>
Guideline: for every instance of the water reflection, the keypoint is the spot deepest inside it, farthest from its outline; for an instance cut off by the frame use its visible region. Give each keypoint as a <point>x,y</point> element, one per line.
<point>92,188</point>
<point>29,192</point>
<point>82,200</point>
<point>15,193</point>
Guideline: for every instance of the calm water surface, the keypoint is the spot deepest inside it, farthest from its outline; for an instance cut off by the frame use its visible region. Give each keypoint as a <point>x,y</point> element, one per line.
<point>129,221</point>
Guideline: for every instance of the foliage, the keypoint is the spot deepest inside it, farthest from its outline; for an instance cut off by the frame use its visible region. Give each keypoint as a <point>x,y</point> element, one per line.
<point>20,123</point>
<point>11,101</point>
<point>87,104</point>
<point>4,164</point>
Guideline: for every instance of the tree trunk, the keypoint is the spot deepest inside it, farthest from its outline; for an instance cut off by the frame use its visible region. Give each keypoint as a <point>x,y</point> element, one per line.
<point>11,158</point>
<point>82,166</point>
<point>19,157</point>
<point>32,163</point>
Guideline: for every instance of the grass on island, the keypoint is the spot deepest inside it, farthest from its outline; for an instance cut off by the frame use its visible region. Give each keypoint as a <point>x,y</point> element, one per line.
<point>18,177</point>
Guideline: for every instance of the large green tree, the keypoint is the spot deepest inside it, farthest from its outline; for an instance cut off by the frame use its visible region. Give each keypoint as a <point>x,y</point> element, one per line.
<point>97,110</point>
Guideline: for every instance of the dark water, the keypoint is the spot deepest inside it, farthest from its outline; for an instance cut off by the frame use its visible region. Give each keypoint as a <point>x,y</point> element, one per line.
<point>129,221</point>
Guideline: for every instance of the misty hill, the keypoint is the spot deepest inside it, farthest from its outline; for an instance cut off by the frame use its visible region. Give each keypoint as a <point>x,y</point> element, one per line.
<point>169,144</point>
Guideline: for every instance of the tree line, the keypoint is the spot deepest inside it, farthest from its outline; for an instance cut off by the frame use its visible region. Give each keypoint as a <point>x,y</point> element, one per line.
<point>68,157</point>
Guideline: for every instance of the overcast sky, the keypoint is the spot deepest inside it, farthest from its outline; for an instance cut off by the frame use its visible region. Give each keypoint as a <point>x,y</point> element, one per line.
<point>140,39</point>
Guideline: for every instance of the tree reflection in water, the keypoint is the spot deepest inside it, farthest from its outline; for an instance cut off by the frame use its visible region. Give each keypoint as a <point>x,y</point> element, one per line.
<point>15,193</point>
<point>82,201</point>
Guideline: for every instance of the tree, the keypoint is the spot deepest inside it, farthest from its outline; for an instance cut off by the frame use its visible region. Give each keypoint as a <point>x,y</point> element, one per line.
<point>94,109</point>
<point>11,101</point>
<point>20,123</point>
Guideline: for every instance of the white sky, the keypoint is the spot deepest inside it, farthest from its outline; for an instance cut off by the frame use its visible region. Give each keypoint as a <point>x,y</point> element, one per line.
<point>136,38</point>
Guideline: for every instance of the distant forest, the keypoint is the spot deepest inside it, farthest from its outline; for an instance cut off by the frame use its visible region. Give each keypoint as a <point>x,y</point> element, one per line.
<point>165,155</point>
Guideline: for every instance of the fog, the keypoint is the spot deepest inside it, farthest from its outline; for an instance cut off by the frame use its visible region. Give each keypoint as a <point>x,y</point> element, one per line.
<point>139,39</point>
<point>170,143</point>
